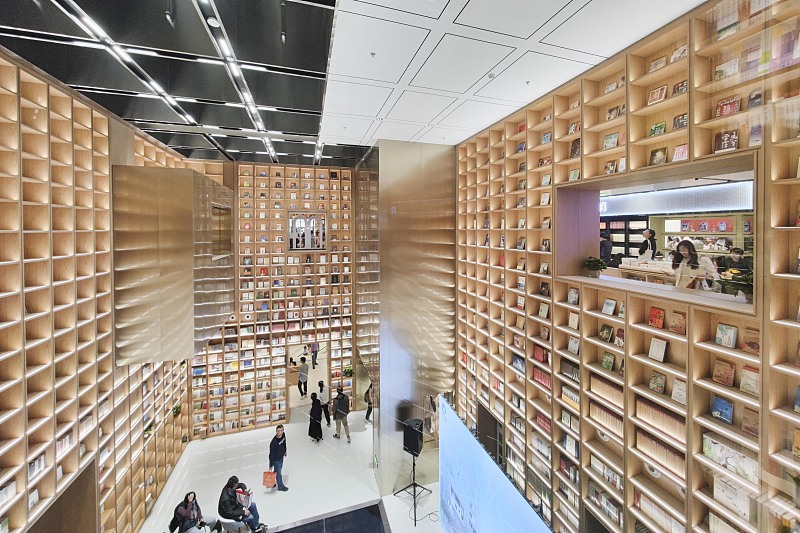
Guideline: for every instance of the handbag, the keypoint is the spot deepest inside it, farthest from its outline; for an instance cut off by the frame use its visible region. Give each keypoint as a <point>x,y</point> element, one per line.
<point>269,479</point>
<point>244,497</point>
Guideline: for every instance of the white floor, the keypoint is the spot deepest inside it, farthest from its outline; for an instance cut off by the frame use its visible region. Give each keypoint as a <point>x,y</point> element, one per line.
<point>323,479</point>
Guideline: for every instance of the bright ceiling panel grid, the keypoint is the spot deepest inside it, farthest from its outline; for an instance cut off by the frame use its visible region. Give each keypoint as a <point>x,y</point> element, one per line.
<point>419,107</point>
<point>425,8</point>
<point>471,58</point>
<point>516,18</point>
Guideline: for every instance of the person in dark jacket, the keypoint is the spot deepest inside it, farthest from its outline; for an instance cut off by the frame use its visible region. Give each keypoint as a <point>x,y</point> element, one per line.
<point>605,248</point>
<point>189,518</point>
<point>315,420</point>
<point>341,408</point>
<point>230,508</point>
<point>277,451</point>
<point>648,248</point>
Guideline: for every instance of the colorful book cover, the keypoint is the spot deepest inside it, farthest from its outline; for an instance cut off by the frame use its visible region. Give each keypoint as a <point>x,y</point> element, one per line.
<point>608,361</point>
<point>677,323</point>
<point>656,319</point>
<point>605,333</point>
<point>724,372</point>
<point>619,338</point>
<point>751,341</point>
<point>573,295</point>
<point>722,409</point>
<point>609,306</point>
<point>726,335</point>
<point>750,380</point>
<point>658,382</point>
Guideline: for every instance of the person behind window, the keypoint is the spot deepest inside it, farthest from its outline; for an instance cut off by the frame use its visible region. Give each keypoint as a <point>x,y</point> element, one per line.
<point>605,248</point>
<point>691,270</point>
<point>736,260</point>
<point>647,250</point>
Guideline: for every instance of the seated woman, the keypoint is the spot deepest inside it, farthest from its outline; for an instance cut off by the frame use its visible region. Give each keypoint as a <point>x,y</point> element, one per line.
<point>690,269</point>
<point>736,260</point>
<point>189,518</point>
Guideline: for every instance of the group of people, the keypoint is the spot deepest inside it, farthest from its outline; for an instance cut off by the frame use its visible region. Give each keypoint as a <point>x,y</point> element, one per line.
<point>691,270</point>
<point>235,503</point>
<point>341,408</point>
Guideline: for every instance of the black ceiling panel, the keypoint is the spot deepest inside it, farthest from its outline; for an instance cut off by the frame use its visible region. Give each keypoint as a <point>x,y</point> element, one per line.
<point>198,153</point>
<point>290,122</point>
<point>143,23</point>
<point>293,148</point>
<point>254,28</point>
<point>190,78</point>
<point>188,140</point>
<point>281,90</point>
<point>38,15</point>
<point>69,64</point>
<point>131,107</point>
<point>242,144</point>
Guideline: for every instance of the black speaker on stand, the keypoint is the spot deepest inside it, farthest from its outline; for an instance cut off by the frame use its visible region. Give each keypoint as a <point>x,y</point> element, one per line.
<point>412,443</point>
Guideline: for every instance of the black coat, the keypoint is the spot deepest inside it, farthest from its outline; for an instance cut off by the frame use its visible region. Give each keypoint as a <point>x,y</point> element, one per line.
<point>229,506</point>
<point>315,422</point>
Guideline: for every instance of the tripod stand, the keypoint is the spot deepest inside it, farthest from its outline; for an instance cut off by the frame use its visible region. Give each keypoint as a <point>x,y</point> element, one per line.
<point>414,486</point>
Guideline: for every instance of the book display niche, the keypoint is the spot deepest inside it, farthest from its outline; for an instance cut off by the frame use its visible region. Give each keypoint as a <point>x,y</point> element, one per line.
<point>294,270</point>
<point>650,409</point>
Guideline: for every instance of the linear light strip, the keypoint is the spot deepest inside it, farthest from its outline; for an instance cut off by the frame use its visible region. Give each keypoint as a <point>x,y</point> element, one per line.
<point>85,22</point>
<point>208,11</point>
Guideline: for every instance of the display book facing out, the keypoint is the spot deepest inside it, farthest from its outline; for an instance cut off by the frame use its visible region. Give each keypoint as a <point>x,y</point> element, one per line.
<point>294,278</point>
<point>708,45</point>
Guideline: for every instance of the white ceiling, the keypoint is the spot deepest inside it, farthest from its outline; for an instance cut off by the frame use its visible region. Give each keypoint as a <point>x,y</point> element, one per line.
<point>419,70</point>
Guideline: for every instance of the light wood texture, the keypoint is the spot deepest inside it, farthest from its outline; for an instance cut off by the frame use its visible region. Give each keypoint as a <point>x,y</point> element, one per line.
<point>631,467</point>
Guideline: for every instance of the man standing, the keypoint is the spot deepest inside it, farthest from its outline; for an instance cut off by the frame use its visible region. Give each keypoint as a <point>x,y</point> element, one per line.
<point>341,408</point>
<point>277,451</point>
<point>230,507</point>
<point>302,377</point>
<point>314,352</point>
<point>325,399</point>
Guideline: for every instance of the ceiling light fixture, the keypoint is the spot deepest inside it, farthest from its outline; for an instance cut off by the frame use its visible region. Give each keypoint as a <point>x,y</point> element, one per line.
<point>90,44</point>
<point>210,61</point>
<point>213,22</point>
<point>142,52</point>
<point>254,67</point>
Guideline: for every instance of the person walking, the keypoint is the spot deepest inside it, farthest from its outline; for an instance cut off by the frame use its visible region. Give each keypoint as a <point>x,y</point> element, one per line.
<point>315,419</point>
<point>230,508</point>
<point>277,451</point>
<point>314,352</point>
<point>368,399</point>
<point>188,517</point>
<point>302,378</point>
<point>325,400</point>
<point>341,408</point>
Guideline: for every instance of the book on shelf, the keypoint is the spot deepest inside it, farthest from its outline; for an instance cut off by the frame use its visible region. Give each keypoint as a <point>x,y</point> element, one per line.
<point>610,167</point>
<point>750,421</point>
<point>540,354</point>
<point>680,121</point>
<point>544,333</point>
<point>728,68</point>
<point>677,322</point>
<point>731,496</point>
<point>656,318</point>
<point>658,382</point>
<point>755,99</point>
<point>544,289</point>
<point>726,335</point>
<point>606,333</point>
<point>521,263</point>
<point>724,372</point>
<point>797,400</point>
<point>575,148</point>
<point>520,323</point>
<point>679,391</point>
<point>574,127</point>
<point>751,341</point>
<point>607,361</point>
<point>679,53</point>
<point>755,136</point>
<point>726,141</point>
<point>658,349</point>
<point>574,320</point>
<point>544,199</point>
<point>574,345</point>
<point>521,282</point>
<point>544,310</point>
<point>659,128</point>
<point>796,444</point>
<point>658,156</point>
<point>544,267</point>
<point>750,380</point>
<point>609,306</point>
<point>612,113</point>
<point>546,223</point>
<point>545,246</point>
<point>619,337</point>
<point>521,223</point>
<point>518,362</point>
<point>657,95</point>
<point>521,302</point>
<point>610,141</point>
<point>680,153</point>
<point>573,297</point>
<point>722,409</point>
<point>546,137</point>
<point>545,180</point>
<point>574,174</point>
<point>657,64</point>
<point>728,106</point>
<point>623,165</point>
<point>521,147</point>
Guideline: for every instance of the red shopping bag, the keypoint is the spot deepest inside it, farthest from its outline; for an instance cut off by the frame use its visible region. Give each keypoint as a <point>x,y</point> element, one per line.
<point>269,479</point>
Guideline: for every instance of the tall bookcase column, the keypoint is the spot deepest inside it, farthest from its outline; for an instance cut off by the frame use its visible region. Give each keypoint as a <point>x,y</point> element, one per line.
<point>604,121</point>
<point>568,134</point>
<point>659,99</point>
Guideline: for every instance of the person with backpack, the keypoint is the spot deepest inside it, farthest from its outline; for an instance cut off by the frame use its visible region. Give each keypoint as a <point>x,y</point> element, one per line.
<point>341,408</point>
<point>368,399</point>
<point>235,504</point>
<point>189,518</point>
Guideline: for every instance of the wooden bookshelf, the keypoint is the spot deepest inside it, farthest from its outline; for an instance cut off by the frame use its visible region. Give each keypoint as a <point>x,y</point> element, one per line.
<point>285,297</point>
<point>65,405</point>
<point>646,436</point>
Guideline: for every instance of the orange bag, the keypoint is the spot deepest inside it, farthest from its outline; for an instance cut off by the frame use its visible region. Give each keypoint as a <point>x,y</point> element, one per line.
<point>269,479</point>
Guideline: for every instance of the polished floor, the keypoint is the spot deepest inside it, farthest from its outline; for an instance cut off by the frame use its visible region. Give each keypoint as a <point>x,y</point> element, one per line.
<point>323,479</point>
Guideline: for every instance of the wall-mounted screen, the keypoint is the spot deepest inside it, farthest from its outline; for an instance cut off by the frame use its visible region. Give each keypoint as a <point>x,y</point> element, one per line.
<point>475,495</point>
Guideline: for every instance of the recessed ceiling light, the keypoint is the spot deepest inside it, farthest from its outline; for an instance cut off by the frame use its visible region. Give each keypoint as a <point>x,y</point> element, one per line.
<point>491,75</point>
<point>213,22</point>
